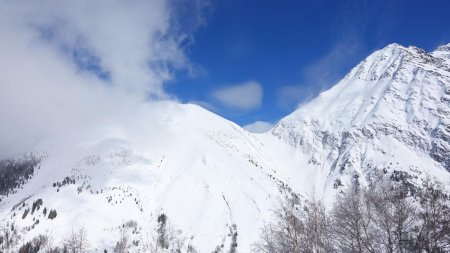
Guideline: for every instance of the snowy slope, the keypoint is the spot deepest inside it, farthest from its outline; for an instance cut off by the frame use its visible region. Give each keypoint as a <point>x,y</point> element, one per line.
<point>390,114</point>
<point>204,172</point>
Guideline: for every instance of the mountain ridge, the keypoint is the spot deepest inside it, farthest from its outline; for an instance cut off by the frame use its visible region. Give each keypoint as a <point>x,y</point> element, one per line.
<point>392,85</point>
<point>218,183</point>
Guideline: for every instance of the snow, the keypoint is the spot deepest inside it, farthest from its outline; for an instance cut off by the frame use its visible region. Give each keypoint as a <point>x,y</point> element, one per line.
<point>387,109</point>
<point>197,169</point>
<point>390,113</point>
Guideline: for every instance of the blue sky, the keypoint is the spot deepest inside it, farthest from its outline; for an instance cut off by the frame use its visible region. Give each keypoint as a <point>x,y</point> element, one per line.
<point>79,66</point>
<point>283,53</point>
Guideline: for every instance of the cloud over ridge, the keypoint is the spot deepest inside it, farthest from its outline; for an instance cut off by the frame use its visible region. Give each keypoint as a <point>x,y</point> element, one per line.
<point>71,66</point>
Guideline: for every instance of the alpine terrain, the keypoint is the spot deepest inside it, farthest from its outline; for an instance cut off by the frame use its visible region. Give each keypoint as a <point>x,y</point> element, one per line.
<point>189,178</point>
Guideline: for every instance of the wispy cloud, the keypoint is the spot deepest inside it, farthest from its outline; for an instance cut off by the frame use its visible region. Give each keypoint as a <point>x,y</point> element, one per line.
<point>243,97</point>
<point>290,96</point>
<point>349,45</point>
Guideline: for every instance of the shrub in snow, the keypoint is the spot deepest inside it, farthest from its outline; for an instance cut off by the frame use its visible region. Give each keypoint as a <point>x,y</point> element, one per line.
<point>52,214</point>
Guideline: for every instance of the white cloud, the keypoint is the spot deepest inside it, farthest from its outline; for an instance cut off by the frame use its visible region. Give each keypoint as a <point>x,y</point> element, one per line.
<point>291,96</point>
<point>51,54</point>
<point>130,39</point>
<point>258,127</point>
<point>245,96</point>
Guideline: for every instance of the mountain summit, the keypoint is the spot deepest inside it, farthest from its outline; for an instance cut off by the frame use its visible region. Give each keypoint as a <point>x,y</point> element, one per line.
<point>394,103</point>
<point>193,175</point>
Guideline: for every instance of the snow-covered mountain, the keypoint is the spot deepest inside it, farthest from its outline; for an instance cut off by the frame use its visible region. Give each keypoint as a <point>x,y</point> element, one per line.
<point>218,183</point>
<point>205,173</point>
<point>390,113</point>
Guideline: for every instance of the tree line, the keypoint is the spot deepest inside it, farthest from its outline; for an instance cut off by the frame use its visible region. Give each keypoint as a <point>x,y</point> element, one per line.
<point>165,240</point>
<point>387,216</point>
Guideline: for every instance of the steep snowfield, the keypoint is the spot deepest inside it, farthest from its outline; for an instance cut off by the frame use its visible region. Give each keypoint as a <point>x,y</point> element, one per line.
<point>211,178</point>
<point>390,113</point>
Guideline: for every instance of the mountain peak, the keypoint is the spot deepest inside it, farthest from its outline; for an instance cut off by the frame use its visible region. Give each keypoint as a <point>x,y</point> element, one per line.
<point>445,48</point>
<point>393,45</point>
<point>443,53</point>
<point>393,62</point>
<point>397,91</point>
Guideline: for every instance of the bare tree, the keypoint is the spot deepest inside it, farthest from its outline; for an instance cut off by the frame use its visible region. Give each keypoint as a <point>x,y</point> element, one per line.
<point>77,242</point>
<point>9,236</point>
<point>353,222</point>
<point>433,232</point>
<point>297,229</point>
<point>387,216</point>
<point>318,227</point>
<point>393,214</point>
<point>122,244</point>
<point>284,233</point>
